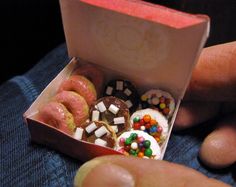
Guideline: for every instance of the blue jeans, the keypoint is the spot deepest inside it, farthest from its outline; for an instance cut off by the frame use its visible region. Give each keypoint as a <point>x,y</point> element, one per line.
<point>27,164</point>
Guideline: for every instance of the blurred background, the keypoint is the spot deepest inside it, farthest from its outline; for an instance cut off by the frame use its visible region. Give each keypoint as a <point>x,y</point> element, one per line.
<point>30,29</point>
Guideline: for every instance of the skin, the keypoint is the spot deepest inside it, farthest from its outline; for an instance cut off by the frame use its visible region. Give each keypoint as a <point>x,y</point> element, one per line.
<point>211,94</point>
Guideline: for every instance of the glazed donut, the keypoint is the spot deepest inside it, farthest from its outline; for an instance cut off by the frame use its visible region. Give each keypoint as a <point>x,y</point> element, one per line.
<point>138,143</point>
<point>97,132</point>
<point>56,115</point>
<point>76,104</point>
<point>124,90</point>
<point>112,111</point>
<point>160,100</point>
<point>152,122</point>
<point>92,73</point>
<point>82,86</point>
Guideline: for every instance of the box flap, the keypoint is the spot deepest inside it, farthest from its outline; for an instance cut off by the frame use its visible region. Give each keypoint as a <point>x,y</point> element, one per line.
<point>153,46</point>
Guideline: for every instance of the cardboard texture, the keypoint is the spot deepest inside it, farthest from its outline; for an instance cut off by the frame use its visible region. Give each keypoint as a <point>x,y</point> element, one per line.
<point>149,45</point>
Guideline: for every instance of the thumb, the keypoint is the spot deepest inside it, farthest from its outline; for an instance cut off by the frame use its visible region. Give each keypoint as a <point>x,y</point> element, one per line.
<point>130,171</point>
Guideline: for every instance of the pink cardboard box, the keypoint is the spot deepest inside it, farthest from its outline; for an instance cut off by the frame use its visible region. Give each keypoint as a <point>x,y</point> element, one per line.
<point>150,45</point>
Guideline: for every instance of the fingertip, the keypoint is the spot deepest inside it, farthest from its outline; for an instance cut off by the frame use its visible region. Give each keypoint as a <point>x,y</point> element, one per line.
<point>218,149</point>
<point>195,112</point>
<point>83,171</point>
<point>101,173</point>
<point>130,171</point>
<point>184,118</point>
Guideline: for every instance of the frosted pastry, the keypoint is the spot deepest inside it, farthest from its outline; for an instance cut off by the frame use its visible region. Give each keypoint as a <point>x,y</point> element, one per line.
<point>152,122</point>
<point>80,85</point>
<point>139,144</point>
<point>112,111</point>
<point>93,73</point>
<point>124,90</point>
<point>76,104</point>
<point>97,132</point>
<point>57,115</point>
<point>159,99</point>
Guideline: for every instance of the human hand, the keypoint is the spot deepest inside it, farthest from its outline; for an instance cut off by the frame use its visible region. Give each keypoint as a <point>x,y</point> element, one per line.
<point>119,171</point>
<point>212,92</point>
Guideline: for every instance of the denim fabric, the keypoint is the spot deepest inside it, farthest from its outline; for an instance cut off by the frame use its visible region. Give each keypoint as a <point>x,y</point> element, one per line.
<point>27,164</point>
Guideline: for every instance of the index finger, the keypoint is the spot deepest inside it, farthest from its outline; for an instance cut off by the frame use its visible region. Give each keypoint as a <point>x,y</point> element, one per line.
<point>214,77</point>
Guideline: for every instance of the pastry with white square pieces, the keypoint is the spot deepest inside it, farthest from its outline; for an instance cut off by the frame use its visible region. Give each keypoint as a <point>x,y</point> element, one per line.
<point>117,113</point>
<point>99,133</point>
<point>124,90</point>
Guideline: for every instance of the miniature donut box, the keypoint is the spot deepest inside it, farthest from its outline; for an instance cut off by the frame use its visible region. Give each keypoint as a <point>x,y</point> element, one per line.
<point>150,45</point>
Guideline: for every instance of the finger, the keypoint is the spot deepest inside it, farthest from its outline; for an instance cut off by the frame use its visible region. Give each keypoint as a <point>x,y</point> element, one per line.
<point>214,77</point>
<point>131,171</point>
<point>218,149</point>
<point>195,112</point>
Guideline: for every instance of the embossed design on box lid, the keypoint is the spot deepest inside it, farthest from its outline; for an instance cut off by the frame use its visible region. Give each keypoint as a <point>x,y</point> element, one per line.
<point>151,51</point>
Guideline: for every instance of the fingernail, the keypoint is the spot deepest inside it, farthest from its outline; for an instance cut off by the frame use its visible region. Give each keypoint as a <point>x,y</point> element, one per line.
<point>102,174</point>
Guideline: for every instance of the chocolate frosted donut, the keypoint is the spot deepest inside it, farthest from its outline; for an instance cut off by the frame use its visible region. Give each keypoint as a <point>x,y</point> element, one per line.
<point>97,132</point>
<point>112,111</point>
<point>160,100</point>
<point>124,90</point>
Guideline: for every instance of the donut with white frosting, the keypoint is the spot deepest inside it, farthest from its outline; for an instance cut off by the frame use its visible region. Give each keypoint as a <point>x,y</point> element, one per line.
<point>160,100</point>
<point>139,144</point>
<point>152,122</point>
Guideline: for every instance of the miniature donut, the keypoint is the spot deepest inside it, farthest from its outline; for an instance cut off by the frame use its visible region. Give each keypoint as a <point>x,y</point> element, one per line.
<point>124,90</point>
<point>112,111</point>
<point>138,143</point>
<point>76,104</point>
<point>159,99</point>
<point>56,115</point>
<point>82,86</point>
<point>95,75</point>
<point>96,132</point>
<point>152,122</point>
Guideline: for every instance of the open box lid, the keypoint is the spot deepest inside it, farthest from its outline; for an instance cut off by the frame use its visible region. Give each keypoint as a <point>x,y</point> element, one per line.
<point>153,46</point>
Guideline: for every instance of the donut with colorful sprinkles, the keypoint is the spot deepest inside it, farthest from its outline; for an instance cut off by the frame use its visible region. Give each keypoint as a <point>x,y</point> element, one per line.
<point>124,90</point>
<point>160,100</point>
<point>139,144</point>
<point>152,122</point>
